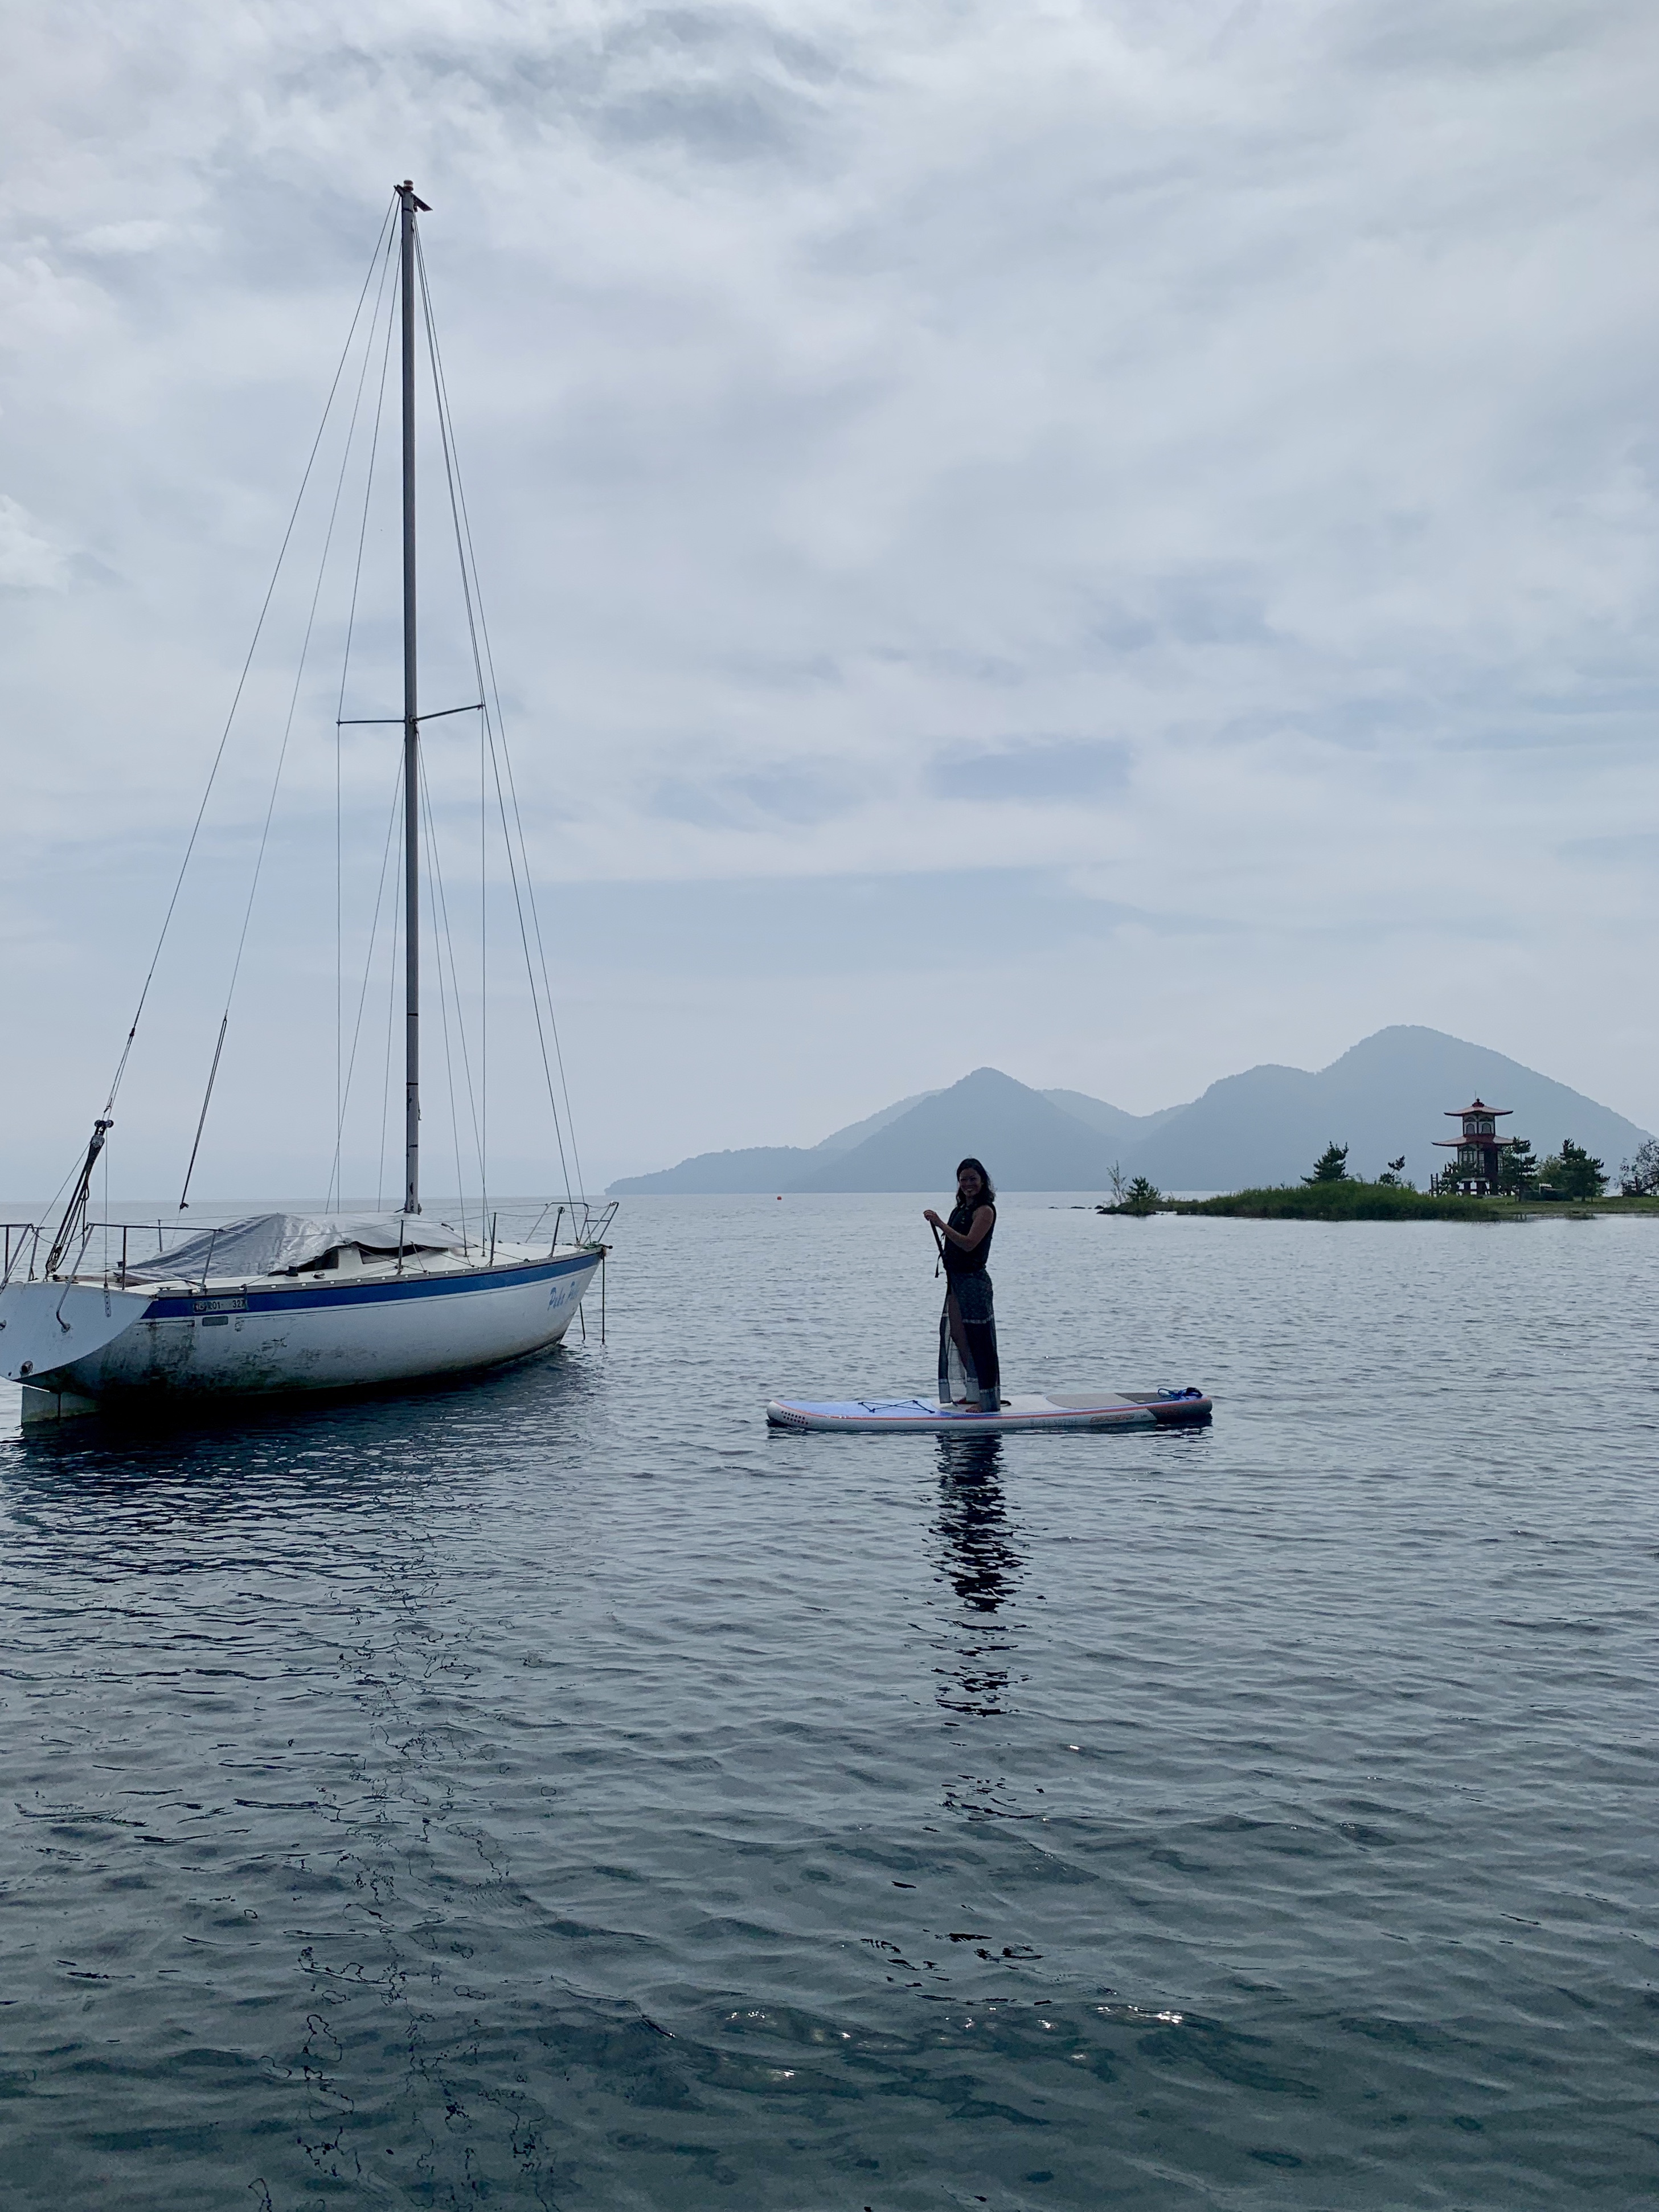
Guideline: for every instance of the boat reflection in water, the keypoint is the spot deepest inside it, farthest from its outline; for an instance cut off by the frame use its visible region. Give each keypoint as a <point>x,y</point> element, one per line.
<point>979,1559</point>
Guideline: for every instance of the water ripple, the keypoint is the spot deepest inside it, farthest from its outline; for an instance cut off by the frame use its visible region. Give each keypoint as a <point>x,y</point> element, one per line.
<point>560,1791</point>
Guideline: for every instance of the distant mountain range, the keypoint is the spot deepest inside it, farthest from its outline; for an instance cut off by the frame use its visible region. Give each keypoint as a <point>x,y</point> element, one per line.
<point>1391,1094</point>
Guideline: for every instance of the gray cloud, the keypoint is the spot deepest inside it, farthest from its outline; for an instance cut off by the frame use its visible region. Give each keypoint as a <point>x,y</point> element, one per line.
<point>779,794</point>
<point>1038,771</point>
<point>29,561</point>
<point>1267,387</point>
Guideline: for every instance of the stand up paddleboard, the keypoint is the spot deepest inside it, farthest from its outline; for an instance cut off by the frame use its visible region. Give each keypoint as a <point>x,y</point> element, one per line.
<point>1061,1409</point>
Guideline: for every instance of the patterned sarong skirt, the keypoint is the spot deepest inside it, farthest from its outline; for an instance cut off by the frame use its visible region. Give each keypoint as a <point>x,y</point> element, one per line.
<point>976,1346</point>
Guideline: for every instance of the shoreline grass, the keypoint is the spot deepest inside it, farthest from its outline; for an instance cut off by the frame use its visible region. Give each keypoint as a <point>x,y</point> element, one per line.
<point>1373,1201</point>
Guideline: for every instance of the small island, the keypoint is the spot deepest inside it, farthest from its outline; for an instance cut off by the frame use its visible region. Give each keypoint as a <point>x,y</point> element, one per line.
<point>1490,1178</point>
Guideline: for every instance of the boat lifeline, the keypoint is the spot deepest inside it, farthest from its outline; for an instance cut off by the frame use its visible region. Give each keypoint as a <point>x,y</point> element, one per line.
<point>114,1316</point>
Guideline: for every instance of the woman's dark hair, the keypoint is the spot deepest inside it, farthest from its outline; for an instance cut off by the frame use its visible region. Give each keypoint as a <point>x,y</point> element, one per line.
<point>988,1193</point>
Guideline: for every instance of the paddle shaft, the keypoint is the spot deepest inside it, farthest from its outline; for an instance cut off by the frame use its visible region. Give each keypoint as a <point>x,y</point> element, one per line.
<point>953,1316</point>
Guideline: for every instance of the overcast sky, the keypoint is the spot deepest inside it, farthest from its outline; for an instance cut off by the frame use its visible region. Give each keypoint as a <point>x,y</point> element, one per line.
<point>1115,541</point>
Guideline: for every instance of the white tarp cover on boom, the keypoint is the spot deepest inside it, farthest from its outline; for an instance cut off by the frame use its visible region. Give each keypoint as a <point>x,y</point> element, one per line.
<point>278,1244</point>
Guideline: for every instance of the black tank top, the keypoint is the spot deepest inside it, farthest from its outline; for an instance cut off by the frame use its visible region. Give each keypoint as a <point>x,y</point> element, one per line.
<point>958,1262</point>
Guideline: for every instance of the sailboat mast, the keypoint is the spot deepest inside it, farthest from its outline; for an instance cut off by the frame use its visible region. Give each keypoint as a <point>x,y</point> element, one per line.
<point>412,735</point>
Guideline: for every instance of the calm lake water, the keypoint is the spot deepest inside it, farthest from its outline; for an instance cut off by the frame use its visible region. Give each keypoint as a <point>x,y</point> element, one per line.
<point>558,1791</point>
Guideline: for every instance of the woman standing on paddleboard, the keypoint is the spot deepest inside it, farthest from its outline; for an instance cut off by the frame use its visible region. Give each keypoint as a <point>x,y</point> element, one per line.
<point>969,1320</point>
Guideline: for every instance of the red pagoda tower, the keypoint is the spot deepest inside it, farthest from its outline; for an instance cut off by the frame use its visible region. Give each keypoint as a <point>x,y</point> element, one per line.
<point>1480,1150</point>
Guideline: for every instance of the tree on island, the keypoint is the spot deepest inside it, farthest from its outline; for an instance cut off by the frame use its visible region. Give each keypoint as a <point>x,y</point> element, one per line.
<point>1331,1166</point>
<point>1392,1176</point>
<point>1517,1169</point>
<point>1581,1176</point>
<point>1571,1173</point>
<point>1141,1196</point>
<point>1639,1176</point>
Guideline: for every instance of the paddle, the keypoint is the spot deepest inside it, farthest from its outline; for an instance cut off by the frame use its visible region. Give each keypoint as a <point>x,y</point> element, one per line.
<point>958,1335</point>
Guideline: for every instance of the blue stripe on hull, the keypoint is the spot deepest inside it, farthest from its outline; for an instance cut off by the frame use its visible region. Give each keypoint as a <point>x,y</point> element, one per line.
<point>299,1299</point>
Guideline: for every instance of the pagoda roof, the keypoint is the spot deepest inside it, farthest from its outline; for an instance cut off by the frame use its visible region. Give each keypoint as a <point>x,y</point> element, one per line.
<point>1454,1112</point>
<point>1456,1143</point>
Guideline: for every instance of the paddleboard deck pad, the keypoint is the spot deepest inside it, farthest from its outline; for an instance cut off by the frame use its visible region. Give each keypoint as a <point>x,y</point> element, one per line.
<point>1061,1409</point>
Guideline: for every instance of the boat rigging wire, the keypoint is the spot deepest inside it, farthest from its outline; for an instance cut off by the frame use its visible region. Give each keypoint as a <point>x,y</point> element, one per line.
<point>362,994</point>
<point>495,730</point>
<point>444,943</point>
<point>495,768</point>
<point>447,945</point>
<point>281,758</point>
<point>428,831</point>
<point>341,1088</point>
<point>391,1018</point>
<point>241,681</point>
<point>76,1205</point>
<point>207,1096</point>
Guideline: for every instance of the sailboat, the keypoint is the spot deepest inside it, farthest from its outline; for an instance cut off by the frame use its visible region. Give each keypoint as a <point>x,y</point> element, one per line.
<point>92,1319</point>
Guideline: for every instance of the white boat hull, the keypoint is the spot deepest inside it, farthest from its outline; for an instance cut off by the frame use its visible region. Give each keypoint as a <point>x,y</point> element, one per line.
<point>88,1346</point>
